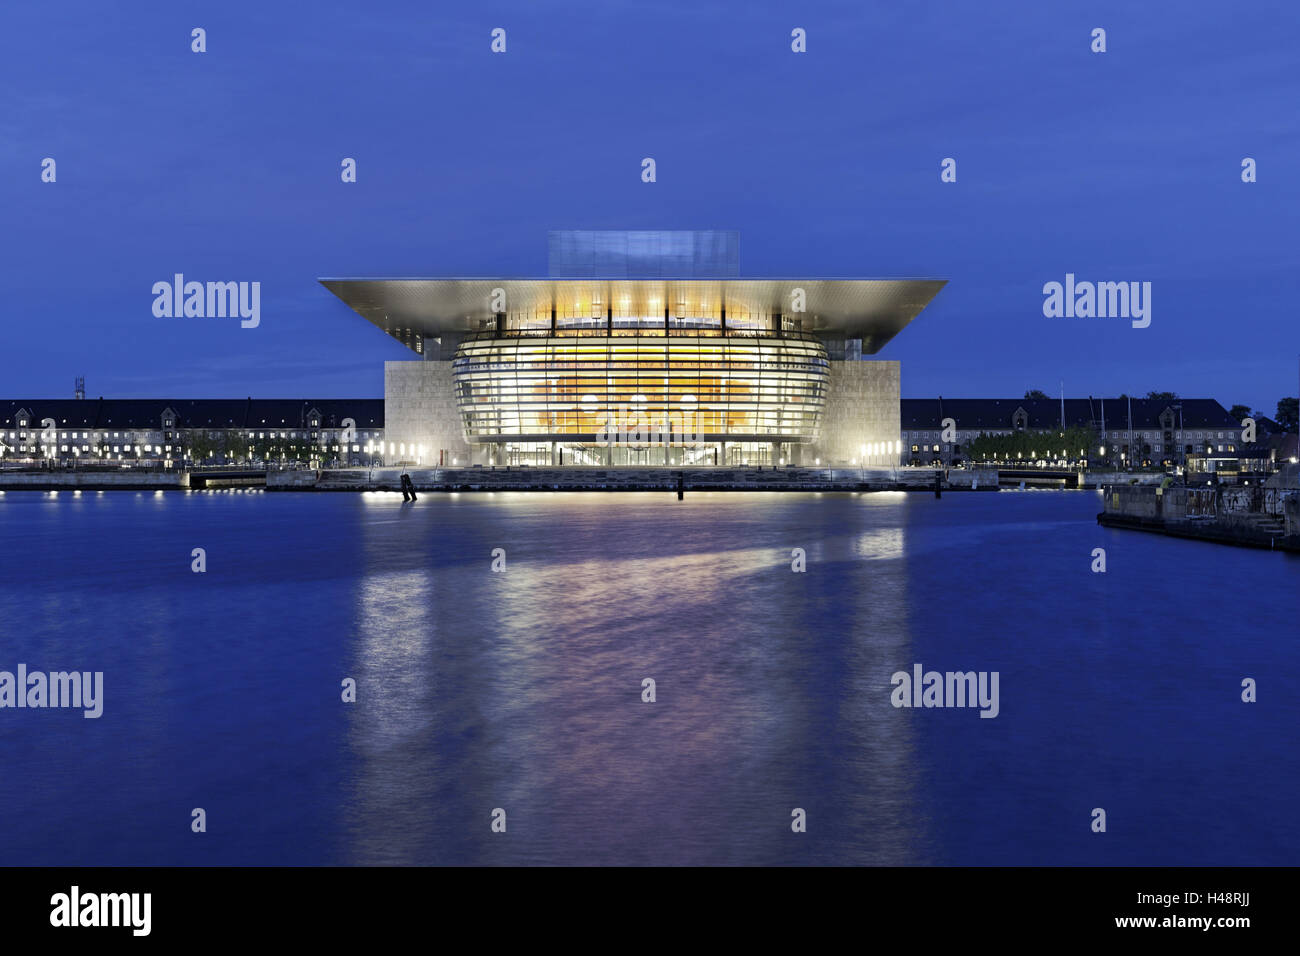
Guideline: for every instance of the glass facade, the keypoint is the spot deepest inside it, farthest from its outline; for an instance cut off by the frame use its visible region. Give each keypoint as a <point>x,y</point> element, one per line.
<point>639,386</point>
<point>666,253</point>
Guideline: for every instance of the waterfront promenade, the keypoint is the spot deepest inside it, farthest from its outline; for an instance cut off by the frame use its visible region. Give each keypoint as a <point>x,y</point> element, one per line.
<point>633,479</point>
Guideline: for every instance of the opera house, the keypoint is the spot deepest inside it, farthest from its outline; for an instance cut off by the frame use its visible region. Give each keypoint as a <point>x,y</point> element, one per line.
<point>641,348</point>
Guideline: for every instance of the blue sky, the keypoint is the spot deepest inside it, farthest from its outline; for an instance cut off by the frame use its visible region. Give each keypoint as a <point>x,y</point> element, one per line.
<point>225,166</point>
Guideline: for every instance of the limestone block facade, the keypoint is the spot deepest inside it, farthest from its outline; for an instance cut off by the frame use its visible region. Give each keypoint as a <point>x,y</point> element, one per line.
<point>862,412</point>
<point>421,421</point>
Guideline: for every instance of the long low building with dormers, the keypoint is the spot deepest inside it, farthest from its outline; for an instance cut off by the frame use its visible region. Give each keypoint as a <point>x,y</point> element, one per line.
<point>168,432</point>
<point>1138,432</point>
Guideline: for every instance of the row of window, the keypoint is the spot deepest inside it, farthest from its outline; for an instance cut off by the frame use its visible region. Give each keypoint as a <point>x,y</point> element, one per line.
<point>146,449</point>
<point>22,436</point>
<point>1114,436</point>
<point>1157,447</point>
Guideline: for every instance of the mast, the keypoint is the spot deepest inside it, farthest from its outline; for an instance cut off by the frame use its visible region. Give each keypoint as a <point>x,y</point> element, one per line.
<point>1103,422</point>
<point>1130,428</point>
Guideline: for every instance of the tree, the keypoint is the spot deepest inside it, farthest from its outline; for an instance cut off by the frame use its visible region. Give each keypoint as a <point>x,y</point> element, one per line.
<point>234,445</point>
<point>1033,445</point>
<point>1163,396</point>
<point>1238,412</point>
<point>202,447</point>
<point>301,449</point>
<point>1288,414</point>
<point>1035,393</point>
<point>262,448</point>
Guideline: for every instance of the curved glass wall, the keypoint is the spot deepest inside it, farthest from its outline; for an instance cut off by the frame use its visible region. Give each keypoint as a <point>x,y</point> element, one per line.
<point>638,387</point>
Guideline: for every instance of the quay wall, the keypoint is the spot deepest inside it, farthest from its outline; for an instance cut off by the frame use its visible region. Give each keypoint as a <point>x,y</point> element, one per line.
<point>94,480</point>
<point>631,479</point>
<point>1265,518</point>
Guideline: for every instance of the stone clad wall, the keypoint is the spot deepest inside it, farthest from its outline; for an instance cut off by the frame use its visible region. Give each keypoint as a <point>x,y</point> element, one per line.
<point>420,409</point>
<point>862,407</point>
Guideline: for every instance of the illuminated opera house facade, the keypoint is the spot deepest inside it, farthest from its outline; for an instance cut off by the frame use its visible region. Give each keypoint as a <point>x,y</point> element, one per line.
<point>641,348</point>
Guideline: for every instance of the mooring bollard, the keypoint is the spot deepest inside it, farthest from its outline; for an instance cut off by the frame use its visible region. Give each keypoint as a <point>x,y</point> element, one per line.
<point>408,488</point>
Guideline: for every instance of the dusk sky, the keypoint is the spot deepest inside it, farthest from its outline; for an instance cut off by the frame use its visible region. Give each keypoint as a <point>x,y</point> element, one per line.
<point>225,165</point>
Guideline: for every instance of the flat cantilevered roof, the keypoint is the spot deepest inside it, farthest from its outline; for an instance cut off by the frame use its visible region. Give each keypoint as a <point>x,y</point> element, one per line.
<point>873,310</point>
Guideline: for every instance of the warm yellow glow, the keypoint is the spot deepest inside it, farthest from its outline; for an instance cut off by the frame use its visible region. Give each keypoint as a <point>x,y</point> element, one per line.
<point>758,387</point>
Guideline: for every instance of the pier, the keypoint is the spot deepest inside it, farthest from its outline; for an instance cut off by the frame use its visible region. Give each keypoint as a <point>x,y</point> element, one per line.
<point>1256,516</point>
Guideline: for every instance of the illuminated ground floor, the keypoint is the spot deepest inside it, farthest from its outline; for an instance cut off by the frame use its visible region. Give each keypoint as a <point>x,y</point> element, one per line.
<point>613,454</point>
<point>637,402</point>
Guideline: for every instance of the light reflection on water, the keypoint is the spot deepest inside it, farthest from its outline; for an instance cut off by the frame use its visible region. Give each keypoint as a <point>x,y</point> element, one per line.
<point>531,699</point>
<point>522,690</point>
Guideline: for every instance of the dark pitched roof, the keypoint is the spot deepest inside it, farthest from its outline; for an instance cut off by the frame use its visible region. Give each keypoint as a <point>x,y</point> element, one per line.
<point>66,412</point>
<point>1045,413</point>
<point>292,413</point>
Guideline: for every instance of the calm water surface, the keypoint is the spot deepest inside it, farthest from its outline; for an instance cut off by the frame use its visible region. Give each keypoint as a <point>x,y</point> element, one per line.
<point>522,689</point>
